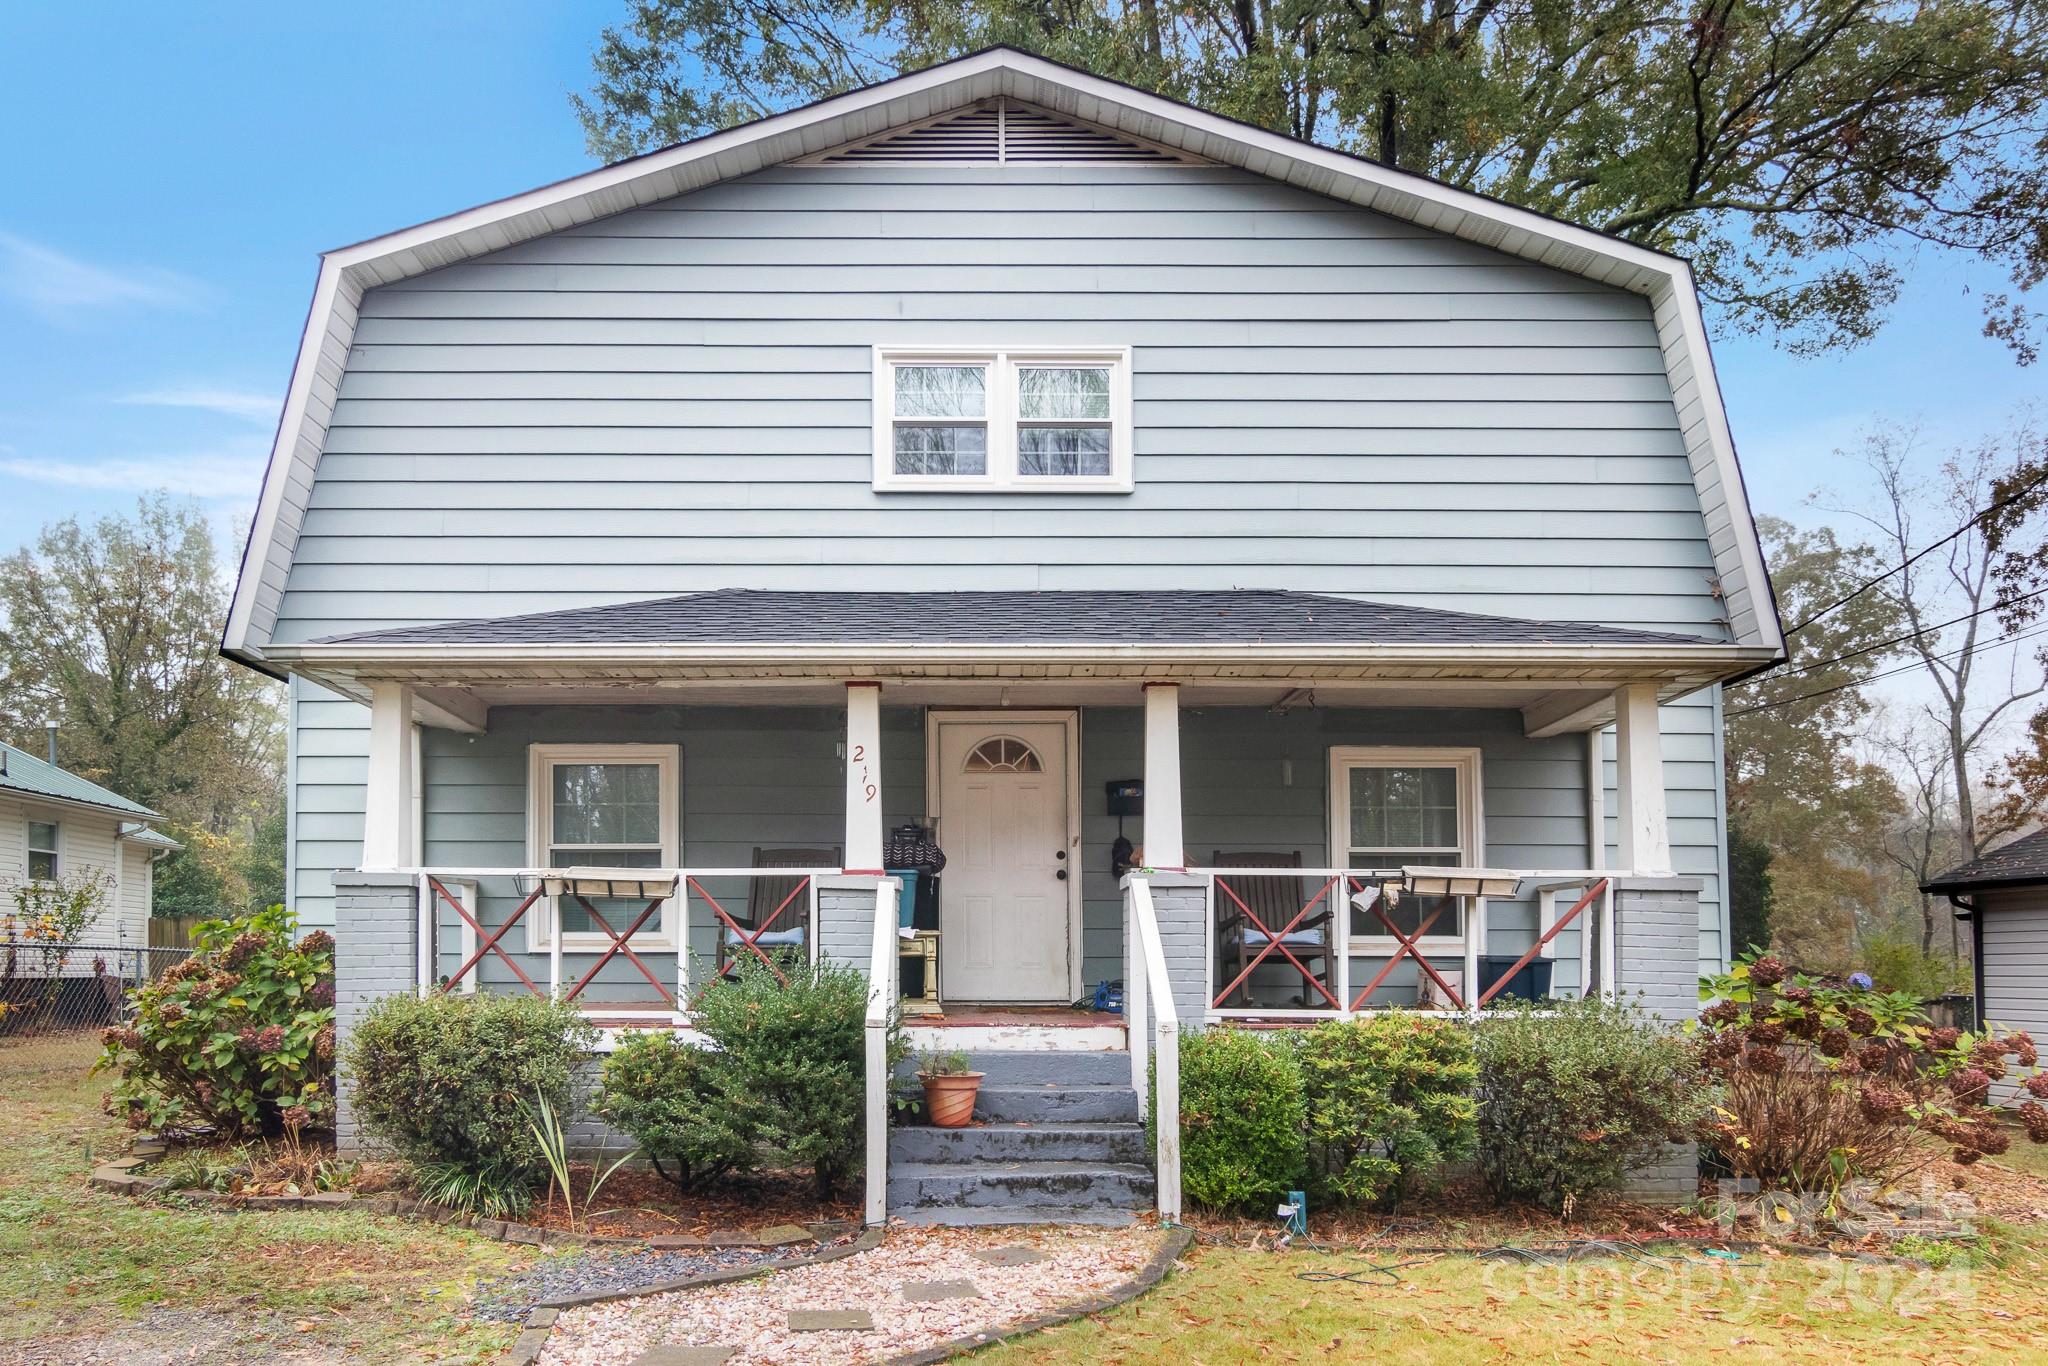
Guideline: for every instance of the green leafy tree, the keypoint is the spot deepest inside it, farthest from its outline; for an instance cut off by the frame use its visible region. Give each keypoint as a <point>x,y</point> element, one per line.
<point>112,629</point>
<point>1797,783</point>
<point>1797,151</point>
<point>1751,897</point>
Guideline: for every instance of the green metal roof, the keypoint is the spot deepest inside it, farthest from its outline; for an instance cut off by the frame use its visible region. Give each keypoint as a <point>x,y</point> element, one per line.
<point>143,835</point>
<point>32,777</point>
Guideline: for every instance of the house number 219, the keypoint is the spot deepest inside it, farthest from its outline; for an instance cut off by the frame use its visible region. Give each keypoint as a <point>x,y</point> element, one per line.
<point>860,756</point>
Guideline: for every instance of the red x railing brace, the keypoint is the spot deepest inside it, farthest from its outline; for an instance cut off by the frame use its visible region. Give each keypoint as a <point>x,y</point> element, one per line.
<point>1591,892</point>
<point>488,943</point>
<point>1273,941</point>
<point>618,946</point>
<point>749,942</point>
<point>1408,949</point>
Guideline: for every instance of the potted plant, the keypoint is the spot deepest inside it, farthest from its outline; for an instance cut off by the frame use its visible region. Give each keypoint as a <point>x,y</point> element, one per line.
<point>950,1085</point>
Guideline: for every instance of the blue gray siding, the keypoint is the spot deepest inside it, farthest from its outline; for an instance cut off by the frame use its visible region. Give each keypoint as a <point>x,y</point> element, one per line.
<point>678,398</point>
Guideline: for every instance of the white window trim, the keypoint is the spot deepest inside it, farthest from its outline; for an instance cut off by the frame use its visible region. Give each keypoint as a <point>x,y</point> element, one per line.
<point>1471,824</point>
<point>1003,363</point>
<point>56,852</point>
<point>540,820</point>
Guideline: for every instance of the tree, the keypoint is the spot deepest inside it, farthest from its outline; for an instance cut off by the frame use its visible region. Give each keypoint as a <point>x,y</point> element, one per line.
<point>112,631</point>
<point>1946,581</point>
<point>1796,783</point>
<point>1750,894</point>
<point>1797,151</point>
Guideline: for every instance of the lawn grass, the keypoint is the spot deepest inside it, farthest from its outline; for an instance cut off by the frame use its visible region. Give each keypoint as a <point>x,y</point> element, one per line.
<point>1227,1305</point>
<point>79,1261</point>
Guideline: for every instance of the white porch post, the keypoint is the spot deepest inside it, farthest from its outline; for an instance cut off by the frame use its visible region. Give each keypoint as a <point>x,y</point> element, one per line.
<point>1645,835</point>
<point>1163,843</point>
<point>387,797</point>
<point>863,778</point>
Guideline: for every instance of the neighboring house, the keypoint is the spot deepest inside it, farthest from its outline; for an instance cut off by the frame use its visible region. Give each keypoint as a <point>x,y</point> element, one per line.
<point>2004,897</point>
<point>55,826</point>
<point>951,450</point>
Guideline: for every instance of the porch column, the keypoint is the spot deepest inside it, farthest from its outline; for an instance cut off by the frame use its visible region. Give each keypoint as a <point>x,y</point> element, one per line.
<point>863,778</point>
<point>1163,842</point>
<point>1645,836</point>
<point>387,796</point>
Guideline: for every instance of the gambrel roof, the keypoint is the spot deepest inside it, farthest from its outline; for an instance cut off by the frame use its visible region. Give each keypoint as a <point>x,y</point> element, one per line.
<point>1071,107</point>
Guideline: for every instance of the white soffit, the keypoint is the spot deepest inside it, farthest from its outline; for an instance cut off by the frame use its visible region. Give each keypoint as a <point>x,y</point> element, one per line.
<point>919,97</point>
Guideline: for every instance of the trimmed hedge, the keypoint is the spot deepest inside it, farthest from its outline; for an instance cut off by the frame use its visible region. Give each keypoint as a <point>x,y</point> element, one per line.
<point>1241,1118</point>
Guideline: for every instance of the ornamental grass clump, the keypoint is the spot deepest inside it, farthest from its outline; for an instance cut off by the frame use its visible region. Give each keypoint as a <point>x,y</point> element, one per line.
<point>1824,1080</point>
<point>239,1036</point>
<point>1573,1095</point>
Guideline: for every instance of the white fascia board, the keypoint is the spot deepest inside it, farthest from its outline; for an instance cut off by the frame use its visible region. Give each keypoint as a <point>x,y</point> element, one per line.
<point>363,659</point>
<point>346,272</point>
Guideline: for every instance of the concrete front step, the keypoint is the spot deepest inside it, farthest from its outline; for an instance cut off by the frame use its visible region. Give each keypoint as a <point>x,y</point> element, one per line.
<point>1062,1104</point>
<point>1045,1068</point>
<point>1005,1143</point>
<point>1062,1185</point>
<point>984,1216</point>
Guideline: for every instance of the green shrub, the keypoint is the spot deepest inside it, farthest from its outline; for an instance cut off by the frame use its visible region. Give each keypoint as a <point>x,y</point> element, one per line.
<point>448,1082</point>
<point>663,1094</point>
<point>1389,1102</point>
<point>1240,1116</point>
<point>1574,1095</point>
<point>791,1062</point>
<point>240,1035</point>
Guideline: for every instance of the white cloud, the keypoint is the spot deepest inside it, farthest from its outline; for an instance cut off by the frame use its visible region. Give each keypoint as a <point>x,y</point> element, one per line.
<point>60,286</point>
<point>251,407</point>
<point>232,473</point>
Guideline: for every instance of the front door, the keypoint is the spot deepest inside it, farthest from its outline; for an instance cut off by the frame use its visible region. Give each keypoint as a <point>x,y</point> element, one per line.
<point>1004,921</point>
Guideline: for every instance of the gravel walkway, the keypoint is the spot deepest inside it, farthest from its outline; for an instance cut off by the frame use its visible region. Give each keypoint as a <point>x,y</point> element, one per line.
<point>753,1316</point>
<point>508,1298</point>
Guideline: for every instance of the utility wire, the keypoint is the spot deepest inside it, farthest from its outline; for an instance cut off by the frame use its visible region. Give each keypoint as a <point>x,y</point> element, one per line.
<point>2013,639</point>
<point>1910,635</point>
<point>1919,554</point>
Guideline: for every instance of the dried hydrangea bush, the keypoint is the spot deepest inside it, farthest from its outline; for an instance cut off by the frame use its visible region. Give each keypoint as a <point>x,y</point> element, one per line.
<point>1824,1080</point>
<point>239,1036</point>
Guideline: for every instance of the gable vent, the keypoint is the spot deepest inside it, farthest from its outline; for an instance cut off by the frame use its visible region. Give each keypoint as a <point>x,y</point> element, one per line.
<point>1002,131</point>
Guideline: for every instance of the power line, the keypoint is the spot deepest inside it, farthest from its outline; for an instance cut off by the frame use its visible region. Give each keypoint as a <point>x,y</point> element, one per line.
<point>1910,635</point>
<point>1921,553</point>
<point>2012,639</point>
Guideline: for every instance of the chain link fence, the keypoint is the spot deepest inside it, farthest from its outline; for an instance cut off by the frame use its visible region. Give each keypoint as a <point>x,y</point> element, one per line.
<point>52,988</point>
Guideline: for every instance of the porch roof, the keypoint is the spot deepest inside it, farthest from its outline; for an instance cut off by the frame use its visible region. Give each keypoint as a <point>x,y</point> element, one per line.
<point>752,617</point>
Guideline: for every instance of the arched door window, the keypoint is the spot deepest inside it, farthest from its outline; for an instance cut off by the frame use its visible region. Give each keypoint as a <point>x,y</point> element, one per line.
<point>1002,754</point>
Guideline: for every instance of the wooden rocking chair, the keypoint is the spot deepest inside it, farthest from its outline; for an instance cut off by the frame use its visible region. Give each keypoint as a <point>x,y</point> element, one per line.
<point>791,930</point>
<point>1275,901</point>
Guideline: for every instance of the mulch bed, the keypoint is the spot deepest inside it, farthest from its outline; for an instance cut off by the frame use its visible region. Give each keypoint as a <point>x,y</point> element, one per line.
<point>636,1203</point>
<point>509,1299</point>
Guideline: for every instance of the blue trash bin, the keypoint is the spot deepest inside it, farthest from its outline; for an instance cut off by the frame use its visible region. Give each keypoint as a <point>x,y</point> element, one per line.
<point>906,902</point>
<point>1532,983</point>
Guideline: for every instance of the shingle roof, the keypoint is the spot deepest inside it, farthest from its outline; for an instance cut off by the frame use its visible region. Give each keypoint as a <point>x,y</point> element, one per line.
<point>737,616</point>
<point>2024,860</point>
<point>32,777</point>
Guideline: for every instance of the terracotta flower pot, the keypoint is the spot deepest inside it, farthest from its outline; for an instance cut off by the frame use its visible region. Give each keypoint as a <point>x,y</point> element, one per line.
<point>949,1097</point>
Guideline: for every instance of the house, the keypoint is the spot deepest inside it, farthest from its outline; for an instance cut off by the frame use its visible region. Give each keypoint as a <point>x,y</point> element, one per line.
<point>2004,897</point>
<point>1008,450</point>
<point>56,826</point>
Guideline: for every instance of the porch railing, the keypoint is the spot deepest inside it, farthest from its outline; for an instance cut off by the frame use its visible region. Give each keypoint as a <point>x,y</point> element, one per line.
<point>1148,991</point>
<point>486,931</point>
<point>1306,937</point>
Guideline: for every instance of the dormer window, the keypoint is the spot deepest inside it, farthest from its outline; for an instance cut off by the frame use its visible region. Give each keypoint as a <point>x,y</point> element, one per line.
<point>1003,420</point>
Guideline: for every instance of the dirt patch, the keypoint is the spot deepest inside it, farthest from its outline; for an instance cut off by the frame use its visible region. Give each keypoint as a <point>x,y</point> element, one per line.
<point>164,1336</point>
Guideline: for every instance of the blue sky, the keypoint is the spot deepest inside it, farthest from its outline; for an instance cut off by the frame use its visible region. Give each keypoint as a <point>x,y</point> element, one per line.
<point>174,171</point>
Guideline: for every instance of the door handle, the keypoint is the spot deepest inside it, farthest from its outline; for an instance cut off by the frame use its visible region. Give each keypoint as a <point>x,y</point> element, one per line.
<point>1061,875</point>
